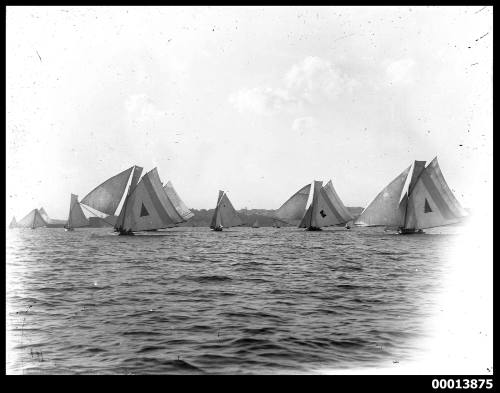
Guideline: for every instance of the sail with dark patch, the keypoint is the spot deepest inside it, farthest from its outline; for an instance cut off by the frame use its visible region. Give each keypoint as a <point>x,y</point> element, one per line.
<point>430,202</point>
<point>318,210</point>
<point>147,207</point>
<point>293,209</point>
<point>107,196</point>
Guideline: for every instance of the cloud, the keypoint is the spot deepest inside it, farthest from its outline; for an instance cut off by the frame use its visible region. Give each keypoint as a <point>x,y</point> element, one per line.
<point>261,100</point>
<point>310,81</point>
<point>141,108</point>
<point>304,124</point>
<point>316,78</point>
<point>400,72</point>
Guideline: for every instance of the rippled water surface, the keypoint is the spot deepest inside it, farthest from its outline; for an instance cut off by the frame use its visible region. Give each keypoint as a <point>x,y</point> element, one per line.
<point>189,300</point>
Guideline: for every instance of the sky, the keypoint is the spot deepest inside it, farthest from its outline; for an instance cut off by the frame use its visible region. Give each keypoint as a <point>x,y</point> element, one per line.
<point>256,101</point>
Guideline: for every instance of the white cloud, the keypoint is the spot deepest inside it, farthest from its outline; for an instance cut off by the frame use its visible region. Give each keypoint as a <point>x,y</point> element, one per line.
<point>261,100</point>
<point>312,80</point>
<point>400,72</point>
<point>316,78</point>
<point>141,108</point>
<point>304,124</point>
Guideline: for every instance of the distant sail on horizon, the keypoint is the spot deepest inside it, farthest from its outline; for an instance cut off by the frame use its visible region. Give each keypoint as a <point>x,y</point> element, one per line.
<point>225,215</point>
<point>13,223</point>
<point>32,220</point>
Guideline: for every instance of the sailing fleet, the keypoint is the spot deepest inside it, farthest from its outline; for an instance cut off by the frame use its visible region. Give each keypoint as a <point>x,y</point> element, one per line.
<point>417,199</point>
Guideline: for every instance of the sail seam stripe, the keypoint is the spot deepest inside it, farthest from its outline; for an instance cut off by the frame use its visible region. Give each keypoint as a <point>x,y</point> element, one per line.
<point>156,201</point>
<point>436,196</point>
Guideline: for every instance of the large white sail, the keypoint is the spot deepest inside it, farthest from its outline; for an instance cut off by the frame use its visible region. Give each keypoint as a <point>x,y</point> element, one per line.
<point>343,215</point>
<point>431,203</point>
<point>293,209</point>
<point>147,207</point>
<point>76,218</point>
<point>225,214</point>
<point>13,223</point>
<point>311,219</point>
<point>107,196</point>
<point>32,220</point>
<point>385,207</point>
<point>179,205</point>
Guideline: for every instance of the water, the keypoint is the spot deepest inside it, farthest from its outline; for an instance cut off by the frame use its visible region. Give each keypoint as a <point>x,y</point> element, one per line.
<point>189,300</point>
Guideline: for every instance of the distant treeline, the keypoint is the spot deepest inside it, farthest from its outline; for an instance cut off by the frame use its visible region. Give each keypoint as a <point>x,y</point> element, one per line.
<point>263,217</point>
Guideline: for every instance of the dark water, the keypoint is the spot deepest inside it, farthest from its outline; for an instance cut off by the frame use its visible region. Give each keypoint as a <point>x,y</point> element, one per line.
<point>189,300</point>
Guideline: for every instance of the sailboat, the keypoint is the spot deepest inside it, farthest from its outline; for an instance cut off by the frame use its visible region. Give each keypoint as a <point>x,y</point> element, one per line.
<point>428,202</point>
<point>13,223</point>
<point>145,207</point>
<point>256,224</point>
<point>326,208</point>
<point>32,220</point>
<point>76,218</point>
<point>225,215</point>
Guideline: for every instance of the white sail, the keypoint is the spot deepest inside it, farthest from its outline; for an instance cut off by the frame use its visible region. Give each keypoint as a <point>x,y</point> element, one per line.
<point>385,207</point>
<point>311,219</point>
<point>13,223</point>
<point>256,224</point>
<point>32,220</point>
<point>343,215</point>
<point>107,196</point>
<point>431,203</point>
<point>44,215</point>
<point>147,207</point>
<point>225,214</point>
<point>179,205</point>
<point>293,209</point>
<point>133,183</point>
<point>76,218</point>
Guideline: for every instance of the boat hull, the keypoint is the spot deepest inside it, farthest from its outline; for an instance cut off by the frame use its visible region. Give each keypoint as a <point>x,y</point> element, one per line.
<point>313,229</point>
